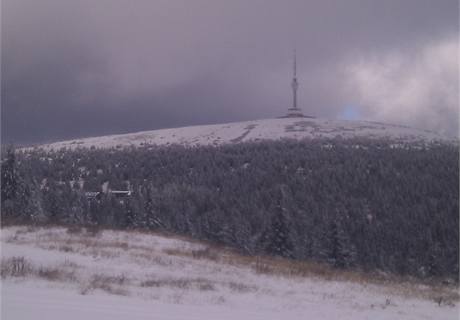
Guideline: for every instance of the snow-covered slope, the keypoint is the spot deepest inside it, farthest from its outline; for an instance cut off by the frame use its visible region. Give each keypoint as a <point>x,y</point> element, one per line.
<point>131,275</point>
<point>268,129</point>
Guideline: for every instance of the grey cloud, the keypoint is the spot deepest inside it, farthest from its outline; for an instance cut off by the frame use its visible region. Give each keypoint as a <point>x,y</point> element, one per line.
<point>418,87</point>
<point>79,68</point>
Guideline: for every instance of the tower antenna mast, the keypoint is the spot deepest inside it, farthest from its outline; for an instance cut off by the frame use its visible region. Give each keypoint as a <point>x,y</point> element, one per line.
<point>294,111</point>
<point>294,83</point>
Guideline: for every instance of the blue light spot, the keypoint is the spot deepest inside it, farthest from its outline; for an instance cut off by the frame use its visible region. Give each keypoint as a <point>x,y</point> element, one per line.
<point>350,113</point>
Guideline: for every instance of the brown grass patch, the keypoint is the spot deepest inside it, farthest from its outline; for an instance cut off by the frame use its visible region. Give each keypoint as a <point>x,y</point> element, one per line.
<point>206,253</point>
<point>74,229</point>
<point>150,257</point>
<point>26,229</point>
<point>15,267</point>
<point>20,267</point>
<point>291,268</point>
<point>446,299</point>
<point>93,230</point>
<point>70,264</point>
<point>66,248</point>
<point>241,287</point>
<point>180,283</point>
<point>56,274</point>
<point>393,284</point>
<point>109,284</point>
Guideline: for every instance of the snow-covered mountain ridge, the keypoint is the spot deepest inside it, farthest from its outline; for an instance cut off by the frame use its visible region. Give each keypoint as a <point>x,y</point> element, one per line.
<point>257,130</point>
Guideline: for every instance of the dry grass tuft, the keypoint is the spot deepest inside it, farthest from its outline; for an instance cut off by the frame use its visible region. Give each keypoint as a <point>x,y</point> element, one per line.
<point>200,284</point>
<point>74,229</point>
<point>15,267</point>
<point>111,284</point>
<point>175,252</point>
<point>241,287</point>
<point>152,258</point>
<point>446,300</point>
<point>20,267</point>
<point>56,274</point>
<point>66,248</point>
<point>93,230</point>
<point>25,230</point>
<point>70,264</point>
<point>206,253</point>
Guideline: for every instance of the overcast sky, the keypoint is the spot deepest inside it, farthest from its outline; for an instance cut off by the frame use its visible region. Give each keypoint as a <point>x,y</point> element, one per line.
<point>90,67</point>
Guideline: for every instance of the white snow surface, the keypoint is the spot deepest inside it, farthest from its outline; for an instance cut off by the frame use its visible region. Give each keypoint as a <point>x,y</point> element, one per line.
<point>257,130</point>
<point>181,286</point>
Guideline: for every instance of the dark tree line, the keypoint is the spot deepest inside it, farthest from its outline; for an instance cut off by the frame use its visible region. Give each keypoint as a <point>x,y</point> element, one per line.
<point>351,203</point>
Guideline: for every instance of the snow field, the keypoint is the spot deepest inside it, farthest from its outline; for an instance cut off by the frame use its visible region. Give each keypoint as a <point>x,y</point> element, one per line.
<point>119,274</point>
<point>257,130</point>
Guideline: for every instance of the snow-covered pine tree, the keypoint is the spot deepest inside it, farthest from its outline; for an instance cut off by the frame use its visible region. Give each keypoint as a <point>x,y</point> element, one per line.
<point>9,183</point>
<point>343,252</point>
<point>278,242</point>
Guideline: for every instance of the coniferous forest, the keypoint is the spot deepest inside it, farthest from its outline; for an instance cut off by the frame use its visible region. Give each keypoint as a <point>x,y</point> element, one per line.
<point>371,205</point>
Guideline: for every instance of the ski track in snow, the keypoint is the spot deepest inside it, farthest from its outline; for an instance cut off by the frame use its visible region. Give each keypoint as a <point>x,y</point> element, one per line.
<point>142,256</point>
<point>268,129</point>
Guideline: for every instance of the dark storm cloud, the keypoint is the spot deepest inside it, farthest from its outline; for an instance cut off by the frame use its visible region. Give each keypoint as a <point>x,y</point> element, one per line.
<point>79,68</point>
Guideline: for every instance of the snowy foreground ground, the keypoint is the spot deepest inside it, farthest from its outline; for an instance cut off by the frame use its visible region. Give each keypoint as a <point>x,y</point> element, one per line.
<point>54,273</point>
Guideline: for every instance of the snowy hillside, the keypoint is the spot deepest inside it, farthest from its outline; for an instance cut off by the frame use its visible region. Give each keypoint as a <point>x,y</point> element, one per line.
<point>76,274</point>
<point>268,129</point>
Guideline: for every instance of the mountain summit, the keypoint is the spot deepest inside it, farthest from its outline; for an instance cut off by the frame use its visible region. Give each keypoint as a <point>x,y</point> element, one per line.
<point>257,130</point>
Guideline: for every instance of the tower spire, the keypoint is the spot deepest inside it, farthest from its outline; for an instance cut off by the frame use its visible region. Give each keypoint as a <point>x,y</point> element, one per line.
<point>294,83</point>
<point>294,111</point>
<point>295,64</point>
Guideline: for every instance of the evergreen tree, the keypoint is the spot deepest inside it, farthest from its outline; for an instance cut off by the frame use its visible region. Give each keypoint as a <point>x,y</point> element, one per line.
<point>277,237</point>
<point>34,207</point>
<point>343,253</point>
<point>9,175</point>
<point>9,183</point>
